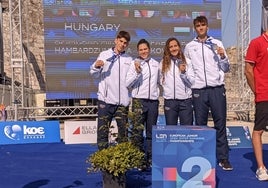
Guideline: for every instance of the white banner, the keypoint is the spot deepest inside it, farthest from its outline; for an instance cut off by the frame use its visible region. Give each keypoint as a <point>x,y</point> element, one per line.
<point>78,132</point>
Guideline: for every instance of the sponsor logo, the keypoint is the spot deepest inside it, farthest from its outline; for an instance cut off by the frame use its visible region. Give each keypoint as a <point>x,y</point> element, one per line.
<point>13,132</point>
<point>17,132</point>
<point>33,132</point>
<point>77,131</point>
<point>85,130</point>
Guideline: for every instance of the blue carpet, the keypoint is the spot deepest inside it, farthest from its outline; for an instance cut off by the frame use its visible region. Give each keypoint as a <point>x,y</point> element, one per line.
<point>57,165</point>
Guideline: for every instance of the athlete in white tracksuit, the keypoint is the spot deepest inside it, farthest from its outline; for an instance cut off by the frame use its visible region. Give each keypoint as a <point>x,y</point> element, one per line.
<point>112,84</point>
<point>111,68</point>
<point>208,72</point>
<point>143,81</point>
<point>176,81</point>
<point>209,62</point>
<point>144,84</point>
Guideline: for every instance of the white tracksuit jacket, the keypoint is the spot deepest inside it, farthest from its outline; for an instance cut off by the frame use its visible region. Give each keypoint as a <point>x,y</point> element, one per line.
<point>175,84</point>
<point>144,85</point>
<point>207,65</point>
<point>112,78</point>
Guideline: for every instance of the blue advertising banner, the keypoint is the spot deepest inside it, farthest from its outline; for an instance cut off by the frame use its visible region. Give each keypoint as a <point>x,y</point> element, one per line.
<point>238,137</point>
<point>22,132</point>
<point>183,156</point>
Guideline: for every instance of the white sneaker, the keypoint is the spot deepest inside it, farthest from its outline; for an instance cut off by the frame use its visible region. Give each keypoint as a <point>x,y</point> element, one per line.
<point>262,174</point>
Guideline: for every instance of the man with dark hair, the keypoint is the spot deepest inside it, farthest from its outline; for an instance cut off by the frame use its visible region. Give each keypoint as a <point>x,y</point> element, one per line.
<point>111,68</point>
<point>209,61</point>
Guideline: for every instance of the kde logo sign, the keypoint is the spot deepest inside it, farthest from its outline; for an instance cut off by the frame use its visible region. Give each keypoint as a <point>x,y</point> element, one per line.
<point>15,132</point>
<point>29,132</point>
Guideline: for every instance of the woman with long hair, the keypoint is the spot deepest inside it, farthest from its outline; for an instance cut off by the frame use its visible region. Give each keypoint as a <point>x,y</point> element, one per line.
<point>176,83</point>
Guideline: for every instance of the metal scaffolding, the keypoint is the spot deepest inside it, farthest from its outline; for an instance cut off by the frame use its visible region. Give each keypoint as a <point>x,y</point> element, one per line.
<point>246,100</point>
<point>16,55</point>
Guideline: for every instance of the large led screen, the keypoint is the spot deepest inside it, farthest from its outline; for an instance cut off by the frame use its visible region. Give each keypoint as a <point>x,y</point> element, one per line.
<point>76,31</point>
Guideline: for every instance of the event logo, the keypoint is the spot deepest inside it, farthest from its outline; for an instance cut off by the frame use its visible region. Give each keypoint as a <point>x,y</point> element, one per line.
<point>13,132</point>
<point>161,137</point>
<point>16,132</point>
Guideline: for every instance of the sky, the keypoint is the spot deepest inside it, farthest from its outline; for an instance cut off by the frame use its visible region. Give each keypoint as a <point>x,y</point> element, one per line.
<point>229,19</point>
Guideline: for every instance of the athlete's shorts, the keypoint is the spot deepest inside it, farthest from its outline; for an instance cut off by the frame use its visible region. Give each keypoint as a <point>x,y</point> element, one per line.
<point>261,116</point>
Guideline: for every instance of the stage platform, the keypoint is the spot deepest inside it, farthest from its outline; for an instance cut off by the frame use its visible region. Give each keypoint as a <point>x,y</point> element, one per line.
<point>57,165</point>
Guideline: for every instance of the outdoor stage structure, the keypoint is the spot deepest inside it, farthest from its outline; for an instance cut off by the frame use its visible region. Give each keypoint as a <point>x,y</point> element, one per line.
<point>68,24</point>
